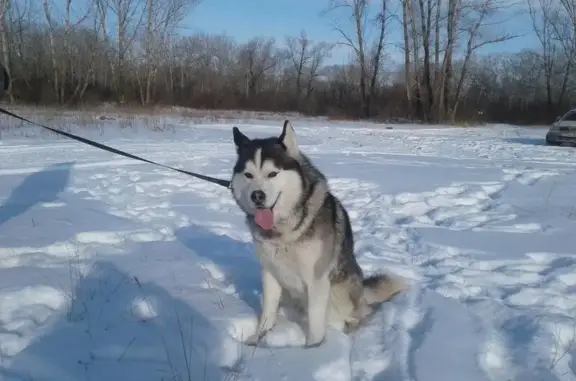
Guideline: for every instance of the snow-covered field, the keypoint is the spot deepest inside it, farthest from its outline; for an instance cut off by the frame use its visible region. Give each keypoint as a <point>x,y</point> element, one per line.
<point>112,269</point>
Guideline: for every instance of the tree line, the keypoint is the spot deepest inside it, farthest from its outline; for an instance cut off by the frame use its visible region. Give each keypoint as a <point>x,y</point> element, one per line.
<point>130,52</point>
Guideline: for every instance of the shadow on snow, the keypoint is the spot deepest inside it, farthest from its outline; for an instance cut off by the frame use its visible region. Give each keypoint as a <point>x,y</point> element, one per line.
<point>234,258</point>
<point>117,328</point>
<point>39,187</point>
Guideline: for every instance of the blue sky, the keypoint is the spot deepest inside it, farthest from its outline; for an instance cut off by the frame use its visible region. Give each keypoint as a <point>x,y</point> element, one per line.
<point>244,19</point>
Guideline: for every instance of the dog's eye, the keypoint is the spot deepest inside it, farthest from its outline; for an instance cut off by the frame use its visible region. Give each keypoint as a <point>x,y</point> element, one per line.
<point>248,175</point>
<point>272,174</point>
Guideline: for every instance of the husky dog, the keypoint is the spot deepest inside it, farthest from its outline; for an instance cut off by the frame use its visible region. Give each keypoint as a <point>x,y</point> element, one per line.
<point>303,239</point>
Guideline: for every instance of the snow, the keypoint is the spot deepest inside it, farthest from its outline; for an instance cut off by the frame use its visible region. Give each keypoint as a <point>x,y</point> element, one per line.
<point>113,269</point>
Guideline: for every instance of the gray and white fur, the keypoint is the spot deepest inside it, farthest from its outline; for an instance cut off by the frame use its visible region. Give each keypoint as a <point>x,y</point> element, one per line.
<point>307,255</point>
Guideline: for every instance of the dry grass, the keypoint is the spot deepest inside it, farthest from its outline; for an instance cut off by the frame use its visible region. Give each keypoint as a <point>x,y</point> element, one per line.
<point>162,119</point>
<point>107,110</point>
<point>152,118</point>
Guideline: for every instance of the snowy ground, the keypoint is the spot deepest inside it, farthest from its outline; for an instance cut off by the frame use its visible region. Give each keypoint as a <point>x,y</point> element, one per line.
<point>111,269</point>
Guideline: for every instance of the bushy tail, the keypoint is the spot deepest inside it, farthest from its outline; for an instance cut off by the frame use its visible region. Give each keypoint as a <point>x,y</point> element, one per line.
<point>382,287</point>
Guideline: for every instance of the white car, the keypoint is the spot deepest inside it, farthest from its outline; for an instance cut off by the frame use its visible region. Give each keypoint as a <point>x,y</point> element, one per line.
<point>563,131</point>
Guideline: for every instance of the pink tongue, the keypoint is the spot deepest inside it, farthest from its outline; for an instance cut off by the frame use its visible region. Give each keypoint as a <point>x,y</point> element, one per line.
<point>264,218</point>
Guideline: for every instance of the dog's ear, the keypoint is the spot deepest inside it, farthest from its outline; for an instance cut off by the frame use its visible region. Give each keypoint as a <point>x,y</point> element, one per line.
<point>239,138</point>
<point>288,139</point>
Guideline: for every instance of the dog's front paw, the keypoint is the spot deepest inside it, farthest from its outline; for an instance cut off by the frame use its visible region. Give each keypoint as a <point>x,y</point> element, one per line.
<point>351,326</point>
<point>313,342</point>
<point>255,339</point>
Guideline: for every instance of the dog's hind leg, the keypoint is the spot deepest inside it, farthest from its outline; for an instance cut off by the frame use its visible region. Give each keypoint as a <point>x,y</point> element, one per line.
<point>346,310</point>
<point>340,306</point>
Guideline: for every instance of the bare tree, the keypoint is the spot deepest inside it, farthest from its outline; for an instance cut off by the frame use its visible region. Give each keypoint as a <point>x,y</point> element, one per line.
<point>436,97</point>
<point>406,23</point>
<point>445,83</point>
<point>427,73</point>
<point>69,25</point>
<point>319,53</point>
<point>543,14</point>
<point>4,9</point>
<point>306,58</point>
<point>563,20</point>
<point>73,55</point>
<point>162,18</point>
<point>129,15</point>
<point>425,12</point>
<point>258,56</point>
<point>368,59</point>
<point>477,14</point>
<point>51,28</point>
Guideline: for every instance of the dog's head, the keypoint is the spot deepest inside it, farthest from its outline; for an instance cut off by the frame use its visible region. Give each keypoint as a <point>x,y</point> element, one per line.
<point>267,178</point>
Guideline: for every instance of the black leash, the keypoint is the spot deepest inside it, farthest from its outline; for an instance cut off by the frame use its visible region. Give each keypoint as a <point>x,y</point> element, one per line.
<point>221,182</point>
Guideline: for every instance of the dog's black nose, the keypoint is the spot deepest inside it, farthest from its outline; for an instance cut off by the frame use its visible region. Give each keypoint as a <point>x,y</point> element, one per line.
<point>258,197</point>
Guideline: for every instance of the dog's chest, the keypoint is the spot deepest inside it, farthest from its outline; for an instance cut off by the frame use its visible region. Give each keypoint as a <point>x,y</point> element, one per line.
<point>292,265</point>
